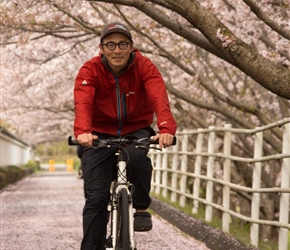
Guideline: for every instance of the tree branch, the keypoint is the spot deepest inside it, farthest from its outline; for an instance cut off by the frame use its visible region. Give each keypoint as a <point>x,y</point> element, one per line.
<point>265,18</point>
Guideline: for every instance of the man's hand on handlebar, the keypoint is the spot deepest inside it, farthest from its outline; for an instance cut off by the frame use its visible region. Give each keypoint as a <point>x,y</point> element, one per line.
<point>86,140</point>
<point>165,140</point>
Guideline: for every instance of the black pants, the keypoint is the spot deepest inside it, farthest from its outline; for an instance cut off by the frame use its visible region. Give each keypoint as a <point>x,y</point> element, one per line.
<point>98,169</point>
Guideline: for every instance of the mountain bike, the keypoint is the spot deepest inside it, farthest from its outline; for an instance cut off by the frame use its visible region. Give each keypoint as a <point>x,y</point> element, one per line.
<point>120,207</point>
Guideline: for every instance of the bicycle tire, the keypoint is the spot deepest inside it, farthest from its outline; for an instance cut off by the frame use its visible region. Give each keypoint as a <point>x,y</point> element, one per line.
<point>123,241</point>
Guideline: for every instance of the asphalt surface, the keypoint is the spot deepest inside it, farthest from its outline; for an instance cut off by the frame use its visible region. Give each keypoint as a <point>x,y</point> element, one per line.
<point>44,212</point>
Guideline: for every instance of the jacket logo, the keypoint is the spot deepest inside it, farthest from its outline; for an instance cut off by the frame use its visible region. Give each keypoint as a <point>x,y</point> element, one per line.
<point>84,82</point>
<point>130,93</point>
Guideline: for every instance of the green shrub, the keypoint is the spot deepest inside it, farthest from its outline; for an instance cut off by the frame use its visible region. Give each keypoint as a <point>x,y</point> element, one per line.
<point>33,164</point>
<point>12,174</point>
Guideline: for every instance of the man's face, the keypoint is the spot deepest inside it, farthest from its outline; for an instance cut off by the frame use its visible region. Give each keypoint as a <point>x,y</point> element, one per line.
<point>117,58</point>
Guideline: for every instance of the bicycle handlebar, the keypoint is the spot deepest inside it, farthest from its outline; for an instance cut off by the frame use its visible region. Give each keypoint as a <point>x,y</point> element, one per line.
<point>127,140</point>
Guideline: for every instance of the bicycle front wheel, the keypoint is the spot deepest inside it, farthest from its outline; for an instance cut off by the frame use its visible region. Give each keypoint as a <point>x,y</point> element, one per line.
<point>123,221</point>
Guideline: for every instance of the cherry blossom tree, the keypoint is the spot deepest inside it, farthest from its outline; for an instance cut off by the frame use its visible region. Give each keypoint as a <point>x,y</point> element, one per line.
<point>224,61</point>
<point>206,17</point>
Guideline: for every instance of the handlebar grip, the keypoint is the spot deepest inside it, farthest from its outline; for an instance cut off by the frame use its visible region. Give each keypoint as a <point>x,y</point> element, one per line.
<point>174,141</point>
<point>72,142</point>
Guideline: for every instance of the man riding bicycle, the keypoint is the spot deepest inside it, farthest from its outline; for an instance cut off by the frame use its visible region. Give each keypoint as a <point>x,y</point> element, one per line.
<point>117,94</point>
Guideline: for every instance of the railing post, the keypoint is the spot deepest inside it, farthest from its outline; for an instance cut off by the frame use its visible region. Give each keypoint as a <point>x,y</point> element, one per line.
<point>255,208</point>
<point>152,158</point>
<point>69,165</point>
<point>51,165</point>
<point>183,178</point>
<point>227,178</point>
<point>285,183</point>
<point>158,173</point>
<point>197,168</point>
<point>209,174</point>
<point>174,168</point>
<point>164,172</point>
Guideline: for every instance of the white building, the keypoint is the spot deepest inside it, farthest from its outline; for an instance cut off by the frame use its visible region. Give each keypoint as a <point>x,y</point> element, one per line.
<point>13,151</point>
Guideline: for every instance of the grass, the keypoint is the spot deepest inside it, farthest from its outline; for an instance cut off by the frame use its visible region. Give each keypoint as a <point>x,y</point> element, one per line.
<point>238,229</point>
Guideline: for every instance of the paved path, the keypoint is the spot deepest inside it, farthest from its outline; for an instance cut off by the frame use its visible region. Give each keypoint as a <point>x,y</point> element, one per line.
<point>44,212</point>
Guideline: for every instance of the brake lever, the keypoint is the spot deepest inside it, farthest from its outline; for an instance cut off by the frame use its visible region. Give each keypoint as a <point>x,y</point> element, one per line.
<point>156,148</point>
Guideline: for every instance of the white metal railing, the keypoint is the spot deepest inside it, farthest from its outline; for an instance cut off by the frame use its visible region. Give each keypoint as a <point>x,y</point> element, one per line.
<point>171,174</point>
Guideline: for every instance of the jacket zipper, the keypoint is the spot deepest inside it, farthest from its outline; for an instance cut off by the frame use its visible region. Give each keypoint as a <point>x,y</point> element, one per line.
<point>119,100</point>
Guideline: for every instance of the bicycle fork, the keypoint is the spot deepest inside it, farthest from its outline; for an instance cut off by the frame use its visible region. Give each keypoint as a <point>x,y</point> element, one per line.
<point>122,184</point>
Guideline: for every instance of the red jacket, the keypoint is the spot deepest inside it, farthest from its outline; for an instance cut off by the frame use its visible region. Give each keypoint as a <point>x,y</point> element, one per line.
<point>118,105</point>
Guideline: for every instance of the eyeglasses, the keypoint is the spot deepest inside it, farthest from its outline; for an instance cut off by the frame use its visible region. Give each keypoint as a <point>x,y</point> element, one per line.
<point>112,45</point>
